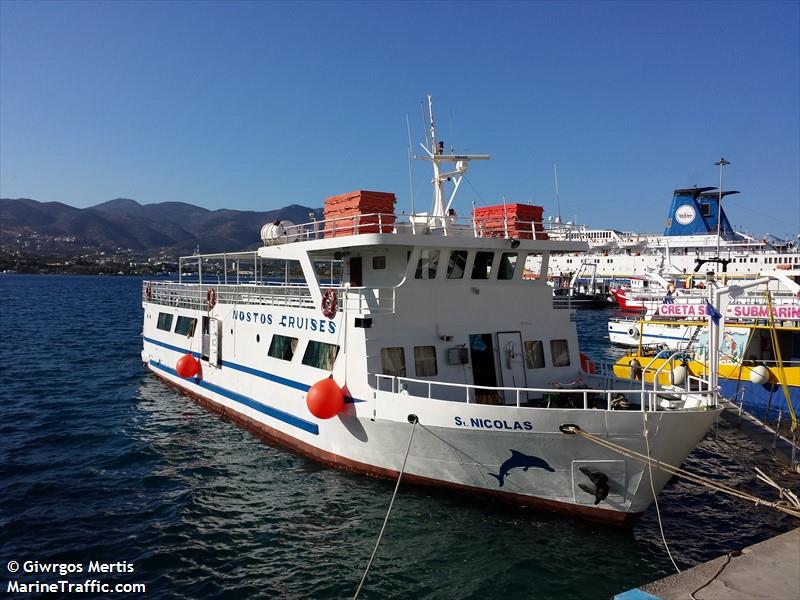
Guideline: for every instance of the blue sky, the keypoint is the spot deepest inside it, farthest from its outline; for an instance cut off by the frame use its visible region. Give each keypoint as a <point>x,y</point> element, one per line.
<point>256,105</point>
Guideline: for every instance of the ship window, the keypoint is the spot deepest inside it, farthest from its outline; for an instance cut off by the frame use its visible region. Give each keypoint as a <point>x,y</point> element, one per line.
<point>483,265</point>
<point>320,355</point>
<point>164,321</point>
<point>559,350</point>
<point>425,361</point>
<point>428,262</point>
<point>456,264</point>
<point>185,326</point>
<point>282,347</point>
<point>705,209</point>
<point>378,262</point>
<point>508,263</point>
<point>393,362</point>
<point>534,354</point>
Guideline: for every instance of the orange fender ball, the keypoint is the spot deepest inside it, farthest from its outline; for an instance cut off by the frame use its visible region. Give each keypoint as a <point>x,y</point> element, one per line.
<point>325,399</point>
<point>187,366</point>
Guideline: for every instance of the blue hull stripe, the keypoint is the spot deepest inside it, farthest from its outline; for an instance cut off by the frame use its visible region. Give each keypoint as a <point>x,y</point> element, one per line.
<point>297,385</point>
<point>280,415</point>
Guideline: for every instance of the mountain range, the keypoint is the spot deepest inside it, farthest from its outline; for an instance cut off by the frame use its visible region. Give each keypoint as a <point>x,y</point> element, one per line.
<point>170,228</point>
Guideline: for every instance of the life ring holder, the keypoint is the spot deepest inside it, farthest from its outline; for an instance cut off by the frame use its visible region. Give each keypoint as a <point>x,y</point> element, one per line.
<point>148,291</point>
<point>211,298</point>
<point>329,301</point>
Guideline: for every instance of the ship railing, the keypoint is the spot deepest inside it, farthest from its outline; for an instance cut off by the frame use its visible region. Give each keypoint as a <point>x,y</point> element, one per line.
<point>553,397</point>
<point>411,223</point>
<point>194,296</point>
<point>690,382</point>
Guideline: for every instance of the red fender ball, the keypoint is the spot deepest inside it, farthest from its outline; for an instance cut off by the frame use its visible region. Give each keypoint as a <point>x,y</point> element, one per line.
<point>187,366</point>
<point>325,399</point>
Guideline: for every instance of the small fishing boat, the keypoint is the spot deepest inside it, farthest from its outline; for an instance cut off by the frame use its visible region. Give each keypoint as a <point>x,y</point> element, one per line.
<point>385,343</point>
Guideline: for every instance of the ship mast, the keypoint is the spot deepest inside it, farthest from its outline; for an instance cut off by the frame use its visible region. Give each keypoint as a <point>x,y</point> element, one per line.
<point>437,156</point>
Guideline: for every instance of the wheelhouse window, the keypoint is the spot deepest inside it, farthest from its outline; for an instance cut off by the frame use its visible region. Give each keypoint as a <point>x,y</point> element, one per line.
<point>508,264</point>
<point>185,326</point>
<point>393,362</point>
<point>534,354</point>
<point>427,265</point>
<point>320,355</point>
<point>425,361</point>
<point>559,350</point>
<point>164,321</point>
<point>378,262</point>
<point>282,347</point>
<point>456,264</point>
<point>482,267</point>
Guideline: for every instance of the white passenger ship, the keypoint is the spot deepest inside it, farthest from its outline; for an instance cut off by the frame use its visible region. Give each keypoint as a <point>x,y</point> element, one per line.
<point>694,220</point>
<point>429,324</point>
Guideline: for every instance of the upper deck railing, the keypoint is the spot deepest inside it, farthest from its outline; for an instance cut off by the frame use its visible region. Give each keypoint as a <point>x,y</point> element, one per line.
<point>195,296</point>
<point>413,224</point>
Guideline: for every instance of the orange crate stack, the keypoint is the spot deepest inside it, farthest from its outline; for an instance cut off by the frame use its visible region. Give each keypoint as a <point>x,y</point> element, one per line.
<point>524,221</point>
<point>361,211</point>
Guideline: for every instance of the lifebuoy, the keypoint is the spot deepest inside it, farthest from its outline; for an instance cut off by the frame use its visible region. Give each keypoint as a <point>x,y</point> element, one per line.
<point>633,331</point>
<point>211,298</point>
<point>329,303</point>
<point>148,291</point>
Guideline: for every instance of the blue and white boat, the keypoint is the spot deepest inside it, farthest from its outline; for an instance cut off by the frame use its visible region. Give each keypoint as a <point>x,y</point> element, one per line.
<point>341,338</point>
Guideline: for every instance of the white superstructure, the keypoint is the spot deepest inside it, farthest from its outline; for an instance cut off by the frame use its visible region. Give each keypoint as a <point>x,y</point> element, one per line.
<point>422,323</point>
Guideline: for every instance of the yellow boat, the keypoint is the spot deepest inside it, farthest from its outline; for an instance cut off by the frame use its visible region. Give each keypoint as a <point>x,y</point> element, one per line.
<point>759,364</point>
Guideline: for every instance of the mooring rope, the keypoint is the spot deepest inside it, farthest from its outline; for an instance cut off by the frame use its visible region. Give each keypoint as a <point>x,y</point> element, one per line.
<point>655,497</point>
<point>574,429</point>
<point>414,420</point>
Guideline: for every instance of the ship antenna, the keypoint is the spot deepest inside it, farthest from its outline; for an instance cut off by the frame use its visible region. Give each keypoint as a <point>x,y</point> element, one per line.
<point>424,126</point>
<point>721,164</point>
<point>558,198</point>
<point>410,178</point>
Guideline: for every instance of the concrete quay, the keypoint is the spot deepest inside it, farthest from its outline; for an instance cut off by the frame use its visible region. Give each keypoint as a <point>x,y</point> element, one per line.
<point>769,570</point>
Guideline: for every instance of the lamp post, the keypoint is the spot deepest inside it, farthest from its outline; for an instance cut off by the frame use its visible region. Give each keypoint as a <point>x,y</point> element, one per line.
<point>721,164</point>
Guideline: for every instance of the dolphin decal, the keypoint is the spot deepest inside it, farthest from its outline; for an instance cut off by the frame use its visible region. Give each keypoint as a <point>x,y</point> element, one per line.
<point>523,461</point>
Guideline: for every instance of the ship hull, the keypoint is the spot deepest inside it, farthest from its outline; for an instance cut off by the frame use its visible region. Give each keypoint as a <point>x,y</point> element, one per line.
<point>470,448</point>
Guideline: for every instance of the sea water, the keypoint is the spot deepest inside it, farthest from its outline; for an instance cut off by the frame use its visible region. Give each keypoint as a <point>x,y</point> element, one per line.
<point>102,464</point>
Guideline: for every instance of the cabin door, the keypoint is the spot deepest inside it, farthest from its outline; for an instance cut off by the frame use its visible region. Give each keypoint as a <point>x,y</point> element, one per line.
<point>215,342</point>
<point>356,277</point>
<point>512,364</point>
<point>481,352</point>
